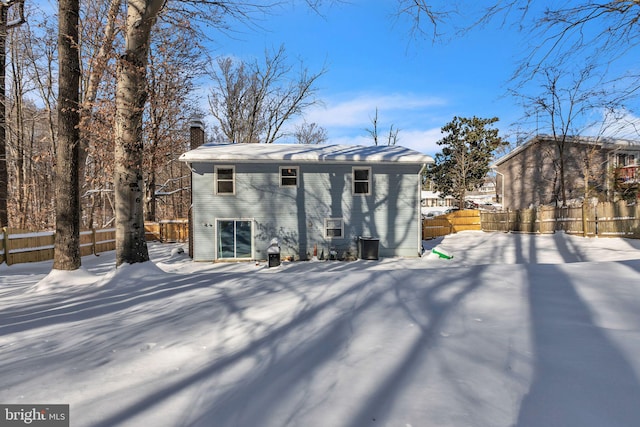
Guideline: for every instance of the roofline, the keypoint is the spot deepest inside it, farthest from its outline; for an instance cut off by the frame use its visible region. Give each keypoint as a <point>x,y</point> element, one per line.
<point>408,157</point>
<point>604,142</point>
<point>280,161</point>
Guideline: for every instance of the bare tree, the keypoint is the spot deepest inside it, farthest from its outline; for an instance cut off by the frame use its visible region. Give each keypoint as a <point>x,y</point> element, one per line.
<point>98,39</point>
<point>373,131</point>
<point>561,34</point>
<point>100,55</point>
<point>104,27</point>
<point>131,246</point>
<point>579,39</point>
<point>425,17</point>
<point>40,49</point>
<point>252,101</point>
<point>30,125</point>
<point>564,108</point>
<point>174,63</point>
<point>20,125</point>
<point>235,100</point>
<point>392,137</point>
<point>101,24</point>
<point>67,239</point>
<point>591,32</point>
<point>5,25</point>
<point>310,133</point>
<point>131,98</point>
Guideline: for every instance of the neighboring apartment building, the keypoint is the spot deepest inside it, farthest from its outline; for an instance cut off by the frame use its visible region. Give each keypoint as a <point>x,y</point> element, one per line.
<point>599,167</point>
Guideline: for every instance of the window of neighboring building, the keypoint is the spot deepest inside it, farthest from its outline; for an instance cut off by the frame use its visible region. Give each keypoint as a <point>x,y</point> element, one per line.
<point>333,228</point>
<point>225,180</point>
<point>625,159</point>
<point>289,176</point>
<point>361,180</point>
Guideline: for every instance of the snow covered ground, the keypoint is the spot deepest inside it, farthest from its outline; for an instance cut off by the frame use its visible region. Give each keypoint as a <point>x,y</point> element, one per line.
<point>515,330</point>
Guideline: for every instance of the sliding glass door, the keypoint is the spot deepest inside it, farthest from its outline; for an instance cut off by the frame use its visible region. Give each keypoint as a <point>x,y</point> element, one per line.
<point>234,238</point>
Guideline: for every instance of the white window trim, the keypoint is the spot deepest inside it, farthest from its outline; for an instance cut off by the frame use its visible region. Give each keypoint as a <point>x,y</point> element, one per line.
<point>353,181</point>
<point>326,235</point>
<point>297,168</point>
<point>233,180</point>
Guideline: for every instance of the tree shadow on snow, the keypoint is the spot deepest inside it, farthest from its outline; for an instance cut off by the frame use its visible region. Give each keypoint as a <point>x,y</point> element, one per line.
<point>91,302</point>
<point>283,362</point>
<point>581,378</point>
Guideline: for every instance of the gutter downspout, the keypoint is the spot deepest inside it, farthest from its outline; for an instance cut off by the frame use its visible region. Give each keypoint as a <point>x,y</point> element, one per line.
<point>424,166</point>
<point>501,188</point>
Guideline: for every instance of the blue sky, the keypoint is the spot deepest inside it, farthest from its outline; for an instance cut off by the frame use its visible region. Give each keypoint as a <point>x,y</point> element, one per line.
<point>372,61</point>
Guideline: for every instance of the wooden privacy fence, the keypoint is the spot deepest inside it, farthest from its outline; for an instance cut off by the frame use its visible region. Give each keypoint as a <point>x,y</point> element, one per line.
<point>605,219</point>
<point>152,231</point>
<point>467,219</point>
<point>540,220</point>
<point>171,230</point>
<point>16,248</point>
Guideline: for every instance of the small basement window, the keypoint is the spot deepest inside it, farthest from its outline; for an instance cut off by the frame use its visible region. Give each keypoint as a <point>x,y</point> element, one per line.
<point>362,181</point>
<point>333,228</point>
<point>225,180</point>
<point>289,176</point>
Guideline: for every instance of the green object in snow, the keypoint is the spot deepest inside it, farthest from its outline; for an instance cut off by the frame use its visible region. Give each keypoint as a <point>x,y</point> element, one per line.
<point>441,253</point>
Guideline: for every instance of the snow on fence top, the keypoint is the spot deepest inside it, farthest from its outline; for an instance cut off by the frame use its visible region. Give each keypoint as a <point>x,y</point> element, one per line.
<point>30,235</point>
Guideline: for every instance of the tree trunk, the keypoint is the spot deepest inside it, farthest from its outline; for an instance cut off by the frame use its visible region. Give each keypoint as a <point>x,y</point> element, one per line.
<point>4,170</point>
<point>4,167</point>
<point>131,246</point>
<point>151,195</point>
<point>563,187</point>
<point>67,240</point>
<point>21,154</point>
<point>95,77</point>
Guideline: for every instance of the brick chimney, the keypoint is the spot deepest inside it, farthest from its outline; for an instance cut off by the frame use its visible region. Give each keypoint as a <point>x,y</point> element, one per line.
<point>196,133</point>
<point>196,139</point>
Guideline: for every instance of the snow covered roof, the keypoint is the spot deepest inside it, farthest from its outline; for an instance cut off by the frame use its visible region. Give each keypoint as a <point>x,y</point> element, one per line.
<point>272,153</point>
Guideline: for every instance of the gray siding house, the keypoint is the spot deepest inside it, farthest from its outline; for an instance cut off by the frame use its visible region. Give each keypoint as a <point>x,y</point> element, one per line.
<point>309,197</point>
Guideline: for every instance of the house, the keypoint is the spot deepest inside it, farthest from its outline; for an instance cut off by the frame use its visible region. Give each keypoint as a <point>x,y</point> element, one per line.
<point>315,199</point>
<point>433,205</point>
<point>594,167</point>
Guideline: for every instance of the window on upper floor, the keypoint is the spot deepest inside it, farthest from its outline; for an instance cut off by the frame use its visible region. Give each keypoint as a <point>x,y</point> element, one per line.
<point>225,178</point>
<point>289,176</point>
<point>362,181</point>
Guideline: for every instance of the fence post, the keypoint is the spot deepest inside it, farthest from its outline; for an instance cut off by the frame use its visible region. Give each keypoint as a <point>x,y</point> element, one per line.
<point>93,241</point>
<point>585,232</point>
<point>4,244</point>
<point>5,233</point>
